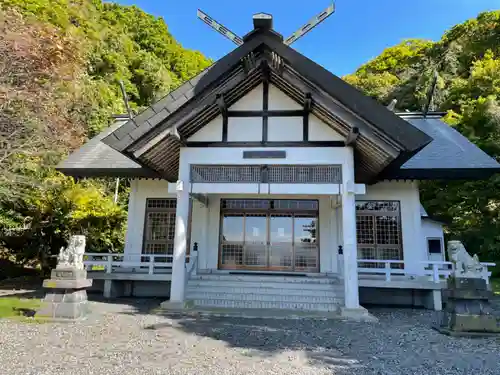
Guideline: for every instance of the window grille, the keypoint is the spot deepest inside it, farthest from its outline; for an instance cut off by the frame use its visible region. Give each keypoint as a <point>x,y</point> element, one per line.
<point>226,173</point>
<point>304,174</point>
<point>159,228</point>
<point>270,204</point>
<point>275,174</point>
<point>378,231</point>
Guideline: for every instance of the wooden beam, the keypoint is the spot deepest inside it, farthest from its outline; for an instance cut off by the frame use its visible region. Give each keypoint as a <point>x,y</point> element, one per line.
<point>305,120</point>
<point>265,99</point>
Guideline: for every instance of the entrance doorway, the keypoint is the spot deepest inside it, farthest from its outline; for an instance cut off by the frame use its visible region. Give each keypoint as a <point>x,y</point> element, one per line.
<point>272,235</point>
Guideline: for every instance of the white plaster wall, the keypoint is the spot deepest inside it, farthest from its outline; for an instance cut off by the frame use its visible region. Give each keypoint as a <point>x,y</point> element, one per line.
<point>279,100</point>
<point>433,229</point>
<point>253,101</point>
<point>244,129</point>
<point>249,129</point>
<point>329,240</point>
<point>414,247</point>
<point>234,155</point>
<point>319,131</point>
<point>211,132</point>
<point>286,129</point>
<point>140,190</point>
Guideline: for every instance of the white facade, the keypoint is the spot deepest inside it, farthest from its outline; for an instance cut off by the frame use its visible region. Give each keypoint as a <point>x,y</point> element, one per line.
<point>206,220</point>
<point>433,230</point>
<point>198,215</point>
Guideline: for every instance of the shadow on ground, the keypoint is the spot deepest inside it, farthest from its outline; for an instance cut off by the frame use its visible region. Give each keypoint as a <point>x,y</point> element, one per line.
<point>284,339</point>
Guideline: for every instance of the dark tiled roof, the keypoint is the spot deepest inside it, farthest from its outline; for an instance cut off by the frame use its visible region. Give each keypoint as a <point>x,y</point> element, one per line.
<point>96,158</point>
<point>450,155</point>
<point>449,148</point>
<point>149,118</point>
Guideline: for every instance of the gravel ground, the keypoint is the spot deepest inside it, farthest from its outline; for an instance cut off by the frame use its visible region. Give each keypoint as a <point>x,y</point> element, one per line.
<point>125,338</point>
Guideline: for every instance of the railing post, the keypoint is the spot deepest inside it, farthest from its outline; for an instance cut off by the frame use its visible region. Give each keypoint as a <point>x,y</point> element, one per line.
<point>387,271</point>
<point>151,264</point>
<point>485,274</point>
<point>109,266</point>
<point>435,273</point>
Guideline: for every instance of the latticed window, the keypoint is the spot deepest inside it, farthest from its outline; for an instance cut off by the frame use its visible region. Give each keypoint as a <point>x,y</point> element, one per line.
<point>159,230</point>
<point>378,230</point>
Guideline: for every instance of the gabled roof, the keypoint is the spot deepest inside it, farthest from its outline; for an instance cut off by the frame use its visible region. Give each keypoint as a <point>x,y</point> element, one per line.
<point>388,146</point>
<point>450,155</point>
<point>383,120</point>
<point>97,159</point>
<point>152,138</point>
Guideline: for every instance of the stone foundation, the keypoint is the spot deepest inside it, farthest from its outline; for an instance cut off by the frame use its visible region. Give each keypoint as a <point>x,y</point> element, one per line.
<point>66,298</point>
<point>468,311</point>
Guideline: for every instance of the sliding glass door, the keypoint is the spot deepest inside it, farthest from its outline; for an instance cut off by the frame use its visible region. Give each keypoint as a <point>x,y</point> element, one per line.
<point>269,235</point>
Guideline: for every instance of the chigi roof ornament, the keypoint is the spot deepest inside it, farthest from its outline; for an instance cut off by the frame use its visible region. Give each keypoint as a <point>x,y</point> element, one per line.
<point>265,21</point>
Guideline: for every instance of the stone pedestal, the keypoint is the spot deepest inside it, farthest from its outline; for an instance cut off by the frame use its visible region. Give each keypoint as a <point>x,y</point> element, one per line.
<point>468,311</point>
<point>66,298</point>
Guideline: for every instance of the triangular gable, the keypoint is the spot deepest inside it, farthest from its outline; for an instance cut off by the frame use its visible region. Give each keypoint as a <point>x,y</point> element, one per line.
<point>263,58</point>
<point>281,129</point>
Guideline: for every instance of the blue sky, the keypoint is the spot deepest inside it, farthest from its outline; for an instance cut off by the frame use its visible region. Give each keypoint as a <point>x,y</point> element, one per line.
<point>358,30</point>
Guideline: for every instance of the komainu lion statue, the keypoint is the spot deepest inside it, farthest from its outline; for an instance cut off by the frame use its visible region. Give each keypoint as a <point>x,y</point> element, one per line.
<point>72,256</point>
<point>465,265</point>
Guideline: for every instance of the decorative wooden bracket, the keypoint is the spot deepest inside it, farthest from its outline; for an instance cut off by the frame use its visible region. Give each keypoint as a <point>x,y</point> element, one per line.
<point>307,102</point>
<point>202,198</point>
<point>352,136</point>
<point>249,63</point>
<point>221,103</point>
<point>277,62</point>
<point>175,133</point>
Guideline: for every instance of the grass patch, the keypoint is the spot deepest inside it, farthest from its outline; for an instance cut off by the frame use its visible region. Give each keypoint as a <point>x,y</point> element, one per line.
<point>12,307</point>
<point>495,286</point>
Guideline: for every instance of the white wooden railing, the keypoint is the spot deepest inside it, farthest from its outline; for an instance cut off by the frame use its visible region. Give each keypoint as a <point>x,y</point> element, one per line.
<point>150,264</point>
<point>436,271</point>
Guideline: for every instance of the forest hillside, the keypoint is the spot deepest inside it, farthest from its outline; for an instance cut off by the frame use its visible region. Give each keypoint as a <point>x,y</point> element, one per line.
<point>61,62</point>
<point>466,62</point>
<point>60,66</point>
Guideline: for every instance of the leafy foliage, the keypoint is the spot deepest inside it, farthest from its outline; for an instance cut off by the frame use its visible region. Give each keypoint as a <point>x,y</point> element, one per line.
<point>60,65</point>
<point>467,60</point>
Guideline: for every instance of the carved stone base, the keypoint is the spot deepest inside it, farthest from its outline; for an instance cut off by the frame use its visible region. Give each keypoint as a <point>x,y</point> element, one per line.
<point>64,304</point>
<point>468,311</point>
<point>66,298</point>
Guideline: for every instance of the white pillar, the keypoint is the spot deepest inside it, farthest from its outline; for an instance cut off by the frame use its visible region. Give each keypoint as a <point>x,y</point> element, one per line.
<point>180,244</point>
<point>349,233</point>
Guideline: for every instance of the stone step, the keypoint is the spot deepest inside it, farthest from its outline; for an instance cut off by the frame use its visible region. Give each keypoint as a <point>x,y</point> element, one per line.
<point>244,288</point>
<point>269,278</point>
<point>302,306</point>
<point>255,296</point>
<point>265,285</point>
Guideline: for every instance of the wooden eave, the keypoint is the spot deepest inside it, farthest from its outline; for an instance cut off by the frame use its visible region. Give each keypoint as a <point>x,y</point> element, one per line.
<point>383,137</point>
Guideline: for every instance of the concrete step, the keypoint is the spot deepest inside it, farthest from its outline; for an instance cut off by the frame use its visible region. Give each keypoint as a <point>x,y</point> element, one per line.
<point>276,289</point>
<point>265,285</point>
<point>268,278</point>
<point>263,297</point>
<point>302,306</point>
